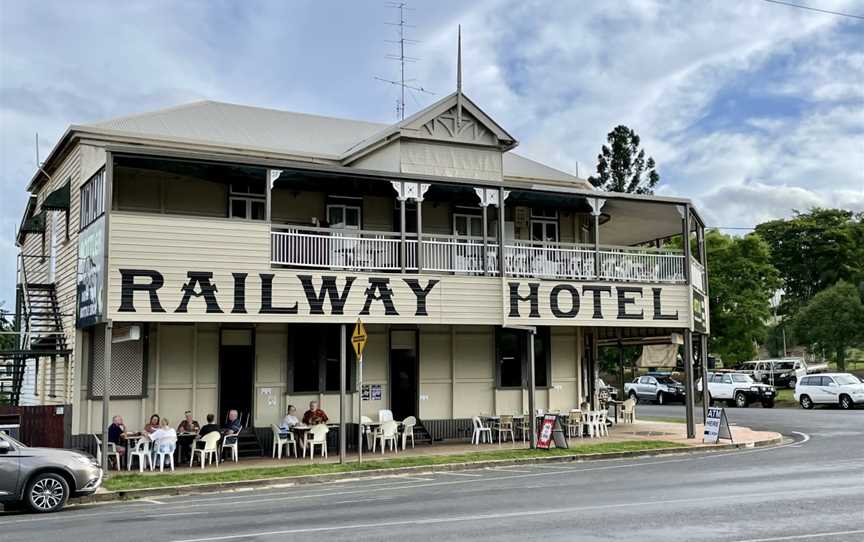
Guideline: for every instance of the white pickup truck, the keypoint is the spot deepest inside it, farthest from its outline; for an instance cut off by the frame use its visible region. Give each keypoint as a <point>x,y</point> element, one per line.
<point>738,389</point>
<point>781,372</point>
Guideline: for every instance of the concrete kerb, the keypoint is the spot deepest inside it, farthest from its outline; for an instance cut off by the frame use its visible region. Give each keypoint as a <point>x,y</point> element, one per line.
<point>310,479</point>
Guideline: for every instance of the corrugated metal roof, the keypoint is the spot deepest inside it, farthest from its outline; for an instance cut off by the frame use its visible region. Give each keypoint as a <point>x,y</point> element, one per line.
<point>283,131</point>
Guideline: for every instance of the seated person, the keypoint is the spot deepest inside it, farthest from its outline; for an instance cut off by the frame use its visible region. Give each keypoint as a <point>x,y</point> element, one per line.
<point>152,425</point>
<point>314,415</point>
<point>164,438</point>
<point>188,425</point>
<point>117,433</point>
<point>206,429</point>
<point>290,420</point>
<point>232,425</point>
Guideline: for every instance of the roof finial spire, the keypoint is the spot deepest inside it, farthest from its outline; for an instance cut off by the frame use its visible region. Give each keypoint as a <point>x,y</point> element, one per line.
<point>459,79</point>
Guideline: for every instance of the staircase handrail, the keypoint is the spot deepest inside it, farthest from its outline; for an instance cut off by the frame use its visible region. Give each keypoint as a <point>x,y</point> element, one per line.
<point>25,303</point>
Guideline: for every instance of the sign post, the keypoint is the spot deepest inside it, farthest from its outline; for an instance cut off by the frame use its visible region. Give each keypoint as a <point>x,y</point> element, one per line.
<point>358,341</point>
<point>716,426</point>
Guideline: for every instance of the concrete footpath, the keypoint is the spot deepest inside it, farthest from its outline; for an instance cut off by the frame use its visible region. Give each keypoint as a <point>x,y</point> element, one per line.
<point>675,433</point>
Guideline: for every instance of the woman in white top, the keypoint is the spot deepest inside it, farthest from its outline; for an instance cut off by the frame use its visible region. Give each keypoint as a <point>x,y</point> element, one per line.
<point>165,438</point>
<point>290,420</point>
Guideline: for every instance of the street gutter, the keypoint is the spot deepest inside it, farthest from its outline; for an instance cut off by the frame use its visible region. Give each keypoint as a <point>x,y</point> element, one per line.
<point>308,479</point>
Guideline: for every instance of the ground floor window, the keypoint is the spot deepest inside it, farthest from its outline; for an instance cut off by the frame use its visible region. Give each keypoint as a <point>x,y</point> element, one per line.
<point>512,358</point>
<point>313,359</point>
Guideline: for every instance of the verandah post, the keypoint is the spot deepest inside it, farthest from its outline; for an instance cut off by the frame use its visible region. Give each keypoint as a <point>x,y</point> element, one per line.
<point>342,385</point>
<point>106,393</point>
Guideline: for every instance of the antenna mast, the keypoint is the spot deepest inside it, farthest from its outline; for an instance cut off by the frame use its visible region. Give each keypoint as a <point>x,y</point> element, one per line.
<point>402,83</point>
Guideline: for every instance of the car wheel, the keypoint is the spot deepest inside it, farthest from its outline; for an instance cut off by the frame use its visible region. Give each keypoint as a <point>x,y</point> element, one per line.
<point>661,398</point>
<point>740,400</point>
<point>633,396</point>
<point>791,383</point>
<point>806,402</point>
<point>768,403</point>
<point>46,492</point>
<point>846,402</point>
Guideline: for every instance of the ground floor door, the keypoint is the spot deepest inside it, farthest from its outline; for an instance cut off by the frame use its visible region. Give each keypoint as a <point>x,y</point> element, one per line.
<point>236,372</point>
<point>404,368</point>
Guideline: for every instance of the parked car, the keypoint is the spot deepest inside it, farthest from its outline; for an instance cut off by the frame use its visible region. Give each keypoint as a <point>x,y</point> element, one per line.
<point>781,372</point>
<point>660,388</point>
<point>738,389</point>
<point>842,389</point>
<point>44,478</point>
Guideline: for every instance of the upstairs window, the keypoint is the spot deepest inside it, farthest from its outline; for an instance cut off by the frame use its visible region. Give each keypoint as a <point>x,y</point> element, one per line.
<point>247,201</point>
<point>92,199</point>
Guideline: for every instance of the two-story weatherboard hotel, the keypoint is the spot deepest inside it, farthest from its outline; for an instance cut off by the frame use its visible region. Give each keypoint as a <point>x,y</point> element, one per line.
<point>225,244</point>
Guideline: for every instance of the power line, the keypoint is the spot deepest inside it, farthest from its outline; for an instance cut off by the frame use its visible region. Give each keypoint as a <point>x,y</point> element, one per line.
<point>818,10</point>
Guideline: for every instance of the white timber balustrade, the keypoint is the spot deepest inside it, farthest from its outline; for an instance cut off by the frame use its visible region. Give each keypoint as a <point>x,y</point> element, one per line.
<point>300,246</point>
<point>339,248</point>
<point>448,254</point>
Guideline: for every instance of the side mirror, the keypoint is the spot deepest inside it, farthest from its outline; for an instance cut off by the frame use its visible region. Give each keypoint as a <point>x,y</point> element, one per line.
<point>4,446</point>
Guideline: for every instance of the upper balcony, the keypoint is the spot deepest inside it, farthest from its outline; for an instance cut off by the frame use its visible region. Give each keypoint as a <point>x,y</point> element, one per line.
<point>325,221</point>
<point>364,250</point>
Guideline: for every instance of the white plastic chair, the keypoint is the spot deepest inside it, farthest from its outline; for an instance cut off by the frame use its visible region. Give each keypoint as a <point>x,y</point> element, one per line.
<point>280,442</point>
<point>524,426</point>
<point>385,416</point>
<point>209,451</point>
<point>505,426</point>
<point>169,446</point>
<point>408,430</point>
<point>628,411</point>
<point>389,433</point>
<point>317,436</point>
<point>142,452</point>
<point>112,452</point>
<point>602,428</point>
<point>589,423</point>
<point>480,431</point>
<point>574,423</point>
<point>231,442</point>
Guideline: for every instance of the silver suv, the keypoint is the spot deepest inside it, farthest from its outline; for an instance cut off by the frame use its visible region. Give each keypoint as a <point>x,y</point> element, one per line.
<point>44,478</point>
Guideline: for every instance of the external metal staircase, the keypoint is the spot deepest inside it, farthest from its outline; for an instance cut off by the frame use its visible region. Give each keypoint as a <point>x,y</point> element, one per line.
<point>38,326</point>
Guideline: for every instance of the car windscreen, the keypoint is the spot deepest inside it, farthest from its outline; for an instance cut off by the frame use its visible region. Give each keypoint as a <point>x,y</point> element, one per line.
<point>666,380</point>
<point>845,380</point>
<point>784,366</point>
<point>742,378</point>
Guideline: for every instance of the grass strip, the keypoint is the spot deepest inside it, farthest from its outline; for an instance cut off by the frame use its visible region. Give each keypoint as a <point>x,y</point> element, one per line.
<point>123,482</point>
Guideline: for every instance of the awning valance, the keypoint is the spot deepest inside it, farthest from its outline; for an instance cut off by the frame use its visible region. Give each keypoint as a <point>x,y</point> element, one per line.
<point>58,200</point>
<point>34,224</point>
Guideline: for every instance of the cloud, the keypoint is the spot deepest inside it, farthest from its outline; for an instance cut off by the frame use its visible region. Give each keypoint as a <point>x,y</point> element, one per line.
<point>750,108</point>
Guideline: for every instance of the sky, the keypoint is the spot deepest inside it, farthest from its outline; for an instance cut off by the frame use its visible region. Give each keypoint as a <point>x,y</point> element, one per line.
<point>752,109</point>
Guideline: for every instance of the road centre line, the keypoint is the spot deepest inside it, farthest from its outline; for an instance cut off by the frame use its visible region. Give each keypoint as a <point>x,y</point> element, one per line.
<point>484,517</point>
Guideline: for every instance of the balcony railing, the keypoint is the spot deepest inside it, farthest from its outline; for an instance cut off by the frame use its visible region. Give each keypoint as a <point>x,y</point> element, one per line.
<point>321,248</point>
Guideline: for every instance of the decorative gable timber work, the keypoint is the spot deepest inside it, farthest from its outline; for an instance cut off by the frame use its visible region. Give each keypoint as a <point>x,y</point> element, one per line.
<point>445,127</point>
<point>450,138</point>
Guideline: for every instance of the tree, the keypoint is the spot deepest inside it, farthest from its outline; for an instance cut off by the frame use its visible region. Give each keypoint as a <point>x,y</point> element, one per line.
<point>741,282</point>
<point>815,250</point>
<point>833,321</point>
<point>622,167</point>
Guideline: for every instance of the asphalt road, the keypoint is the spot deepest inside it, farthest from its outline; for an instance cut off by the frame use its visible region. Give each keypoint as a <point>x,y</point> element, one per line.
<point>811,488</point>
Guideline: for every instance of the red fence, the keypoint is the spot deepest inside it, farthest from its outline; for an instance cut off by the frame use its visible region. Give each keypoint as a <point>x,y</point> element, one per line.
<point>48,426</point>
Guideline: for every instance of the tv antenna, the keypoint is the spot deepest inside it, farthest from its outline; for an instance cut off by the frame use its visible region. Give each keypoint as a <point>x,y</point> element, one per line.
<point>402,58</point>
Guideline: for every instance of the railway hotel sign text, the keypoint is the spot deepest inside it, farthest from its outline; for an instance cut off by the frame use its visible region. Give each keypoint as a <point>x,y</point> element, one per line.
<point>280,295</point>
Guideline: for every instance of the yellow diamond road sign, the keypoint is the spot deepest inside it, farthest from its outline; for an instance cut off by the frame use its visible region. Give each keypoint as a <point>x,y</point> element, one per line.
<point>358,338</point>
